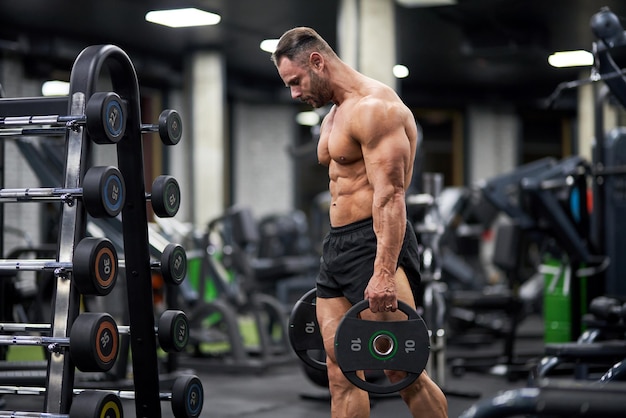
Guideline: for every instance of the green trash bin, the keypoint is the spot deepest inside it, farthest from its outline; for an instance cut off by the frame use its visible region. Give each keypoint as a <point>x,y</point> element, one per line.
<point>557,300</point>
<point>557,304</point>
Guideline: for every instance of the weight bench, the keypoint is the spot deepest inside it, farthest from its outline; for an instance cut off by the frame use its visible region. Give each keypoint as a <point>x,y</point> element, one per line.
<point>555,399</point>
<point>601,346</point>
<point>583,357</point>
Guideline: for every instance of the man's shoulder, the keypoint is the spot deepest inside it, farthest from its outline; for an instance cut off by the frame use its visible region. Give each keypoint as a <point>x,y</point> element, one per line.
<point>375,93</point>
<point>381,101</point>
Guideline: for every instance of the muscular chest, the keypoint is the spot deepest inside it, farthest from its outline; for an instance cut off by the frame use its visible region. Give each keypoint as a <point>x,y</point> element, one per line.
<point>336,143</point>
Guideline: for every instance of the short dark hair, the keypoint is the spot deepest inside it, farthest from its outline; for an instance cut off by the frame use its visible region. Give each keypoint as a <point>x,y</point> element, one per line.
<point>296,44</point>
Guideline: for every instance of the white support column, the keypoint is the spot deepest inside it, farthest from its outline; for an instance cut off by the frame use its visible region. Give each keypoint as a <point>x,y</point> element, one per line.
<point>208,132</point>
<point>366,37</point>
<point>586,112</point>
<point>493,135</point>
<point>348,32</point>
<point>377,40</point>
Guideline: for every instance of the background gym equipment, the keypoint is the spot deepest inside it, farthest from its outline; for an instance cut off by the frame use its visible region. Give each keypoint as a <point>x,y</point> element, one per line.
<point>584,287</point>
<point>232,326</point>
<point>434,215</point>
<point>105,118</point>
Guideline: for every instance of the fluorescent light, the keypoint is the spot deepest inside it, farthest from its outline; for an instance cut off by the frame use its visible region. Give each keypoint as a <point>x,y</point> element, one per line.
<point>425,3</point>
<point>269,45</point>
<point>308,118</point>
<point>55,88</point>
<point>400,71</point>
<point>181,18</point>
<point>579,58</point>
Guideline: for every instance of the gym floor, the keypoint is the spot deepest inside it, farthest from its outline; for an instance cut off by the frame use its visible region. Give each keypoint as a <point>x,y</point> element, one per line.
<point>283,390</point>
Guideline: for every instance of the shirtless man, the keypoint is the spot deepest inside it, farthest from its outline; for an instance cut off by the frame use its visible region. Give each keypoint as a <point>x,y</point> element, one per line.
<point>368,141</point>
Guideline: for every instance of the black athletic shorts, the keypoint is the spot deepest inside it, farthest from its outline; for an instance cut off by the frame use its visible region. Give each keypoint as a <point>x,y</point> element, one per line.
<point>348,260</point>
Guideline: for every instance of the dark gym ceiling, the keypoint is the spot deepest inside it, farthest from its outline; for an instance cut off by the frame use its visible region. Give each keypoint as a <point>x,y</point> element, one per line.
<point>476,50</point>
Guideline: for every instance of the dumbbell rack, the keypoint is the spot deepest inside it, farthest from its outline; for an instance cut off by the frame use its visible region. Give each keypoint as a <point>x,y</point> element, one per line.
<point>88,69</point>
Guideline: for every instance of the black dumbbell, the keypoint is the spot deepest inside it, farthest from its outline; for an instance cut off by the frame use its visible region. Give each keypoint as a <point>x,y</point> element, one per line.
<point>94,403</point>
<point>165,196</point>
<point>186,397</point>
<point>170,127</point>
<point>172,331</point>
<point>104,118</point>
<point>94,266</point>
<point>103,192</point>
<point>172,265</point>
<point>93,342</point>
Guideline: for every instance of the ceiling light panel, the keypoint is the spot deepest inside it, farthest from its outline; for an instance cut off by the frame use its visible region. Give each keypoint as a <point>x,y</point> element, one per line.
<point>182,18</point>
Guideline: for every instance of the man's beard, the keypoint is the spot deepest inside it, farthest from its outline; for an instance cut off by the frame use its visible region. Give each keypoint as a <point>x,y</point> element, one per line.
<point>320,91</point>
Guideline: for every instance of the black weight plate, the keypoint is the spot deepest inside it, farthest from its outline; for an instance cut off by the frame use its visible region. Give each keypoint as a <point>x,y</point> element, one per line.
<point>95,266</point>
<point>170,127</point>
<point>304,333</point>
<point>94,342</point>
<point>165,196</point>
<point>96,404</point>
<point>173,331</point>
<point>174,264</point>
<point>106,118</point>
<point>187,397</point>
<point>355,348</point>
<point>316,376</point>
<point>104,191</point>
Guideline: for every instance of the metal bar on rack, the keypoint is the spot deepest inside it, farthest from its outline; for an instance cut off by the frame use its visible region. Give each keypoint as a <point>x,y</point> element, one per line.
<point>13,132</point>
<point>35,265</point>
<point>40,193</point>
<point>60,373</point>
<point>49,120</point>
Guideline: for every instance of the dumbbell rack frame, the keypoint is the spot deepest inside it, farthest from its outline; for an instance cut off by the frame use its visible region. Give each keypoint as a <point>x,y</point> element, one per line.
<point>84,77</point>
<point>89,67</point>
